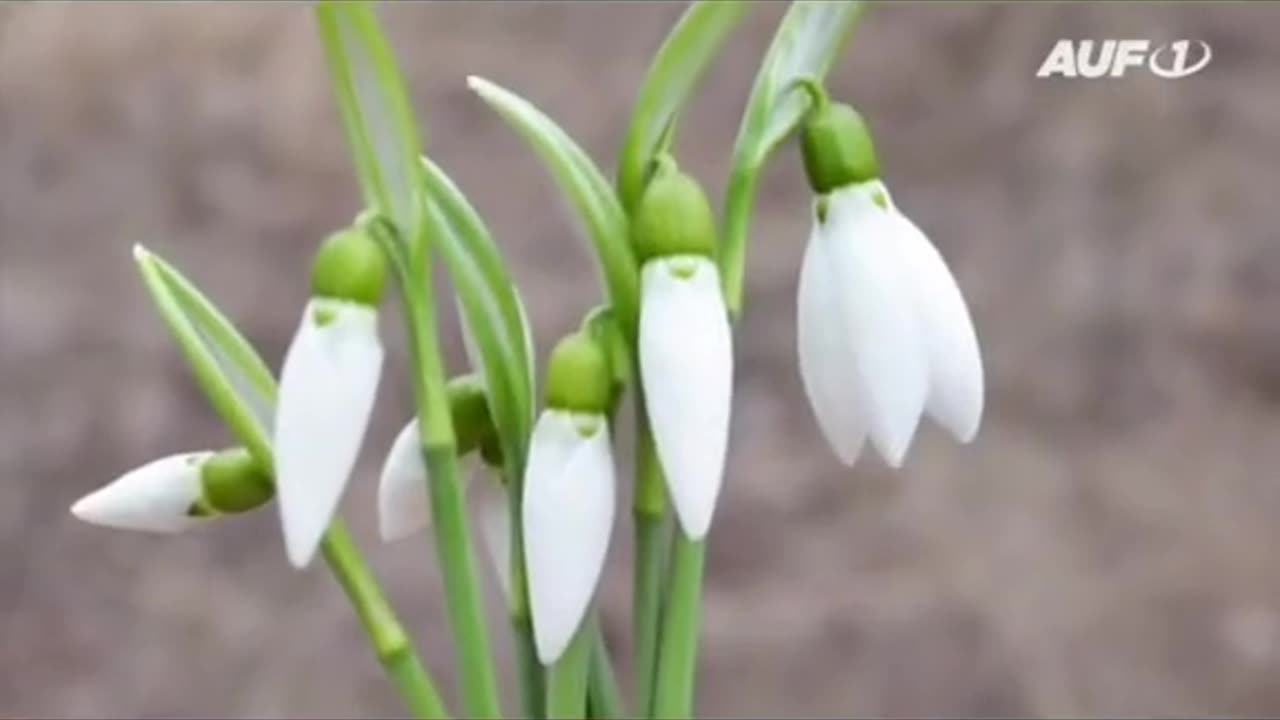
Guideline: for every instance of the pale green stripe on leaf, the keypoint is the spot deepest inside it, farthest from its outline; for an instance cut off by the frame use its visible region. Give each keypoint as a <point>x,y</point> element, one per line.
<point>492,317</point>
<point>806,44</point>
<point>677,68</point>
<point>376,112</point>
<point>234,378</point>
<point>587,188</point>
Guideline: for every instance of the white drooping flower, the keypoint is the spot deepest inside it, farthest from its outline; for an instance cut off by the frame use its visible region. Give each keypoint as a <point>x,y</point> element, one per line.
<point>404,505</point>
<point>685,344</point>
<point>884,334</point>
<point>178,492</point>
<point>568,512</point>
<point>567,506</point>
<point>162,496</point>
<point>327,389</point>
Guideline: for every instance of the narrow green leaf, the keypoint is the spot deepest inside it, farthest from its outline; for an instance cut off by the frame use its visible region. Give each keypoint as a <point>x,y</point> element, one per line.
<point>233,377</point>
<point>587,189</point>
<point>677,68</point>
<point>376,113</point>
<point>492,314</point>
<point>805,45</point>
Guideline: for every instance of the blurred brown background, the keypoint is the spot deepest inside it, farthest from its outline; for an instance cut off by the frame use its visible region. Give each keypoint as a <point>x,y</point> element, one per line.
<point>1105,547</point>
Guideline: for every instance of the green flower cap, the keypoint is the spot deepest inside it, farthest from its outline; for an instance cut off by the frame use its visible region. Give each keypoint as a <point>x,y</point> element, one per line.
<point>231,482</point>
<point>835,143</point>
<point>349,266</point>
<point>673,216</point>
<point>469,406</point>
<point>579,378</point>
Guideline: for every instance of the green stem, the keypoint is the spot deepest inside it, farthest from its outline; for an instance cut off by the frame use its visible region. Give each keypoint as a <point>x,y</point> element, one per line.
<point>463,601</point>
<point>604,699</point>
<point>390,642</point>
<point>678,652</point>
<point>532,693</point>
<point>567,678</point>
<point>739,202</point>
<point>649,510</point>
<point>532,690</point>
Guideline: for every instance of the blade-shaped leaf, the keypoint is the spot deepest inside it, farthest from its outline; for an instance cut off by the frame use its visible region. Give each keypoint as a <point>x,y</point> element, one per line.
<point>586,187</point>
<point>233,377</point>
<point>676,70</point>
<point>376,113</point>
<point>492,313</point>
<point>805,45</point>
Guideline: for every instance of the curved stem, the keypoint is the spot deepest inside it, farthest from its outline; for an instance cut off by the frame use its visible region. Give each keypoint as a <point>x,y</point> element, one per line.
<point>390,642</point>
<point>739,202</point>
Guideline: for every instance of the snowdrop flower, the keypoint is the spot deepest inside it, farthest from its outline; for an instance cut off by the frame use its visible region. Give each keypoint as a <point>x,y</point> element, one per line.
<point>685,344</point>
<point>177,493</point>
<point>404,505</point>
<point>327,388</point>
<point>568,502</point>
<point>884,334</point>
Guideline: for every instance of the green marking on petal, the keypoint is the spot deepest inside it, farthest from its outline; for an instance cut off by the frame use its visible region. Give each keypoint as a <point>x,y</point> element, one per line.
<point>879,198</point>
<point>587,425</point>
<point>323,316</point>
<point>682,268</point>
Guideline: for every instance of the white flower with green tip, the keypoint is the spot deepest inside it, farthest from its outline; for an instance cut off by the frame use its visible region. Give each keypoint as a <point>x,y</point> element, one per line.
<point>883,331</point>
<point>685,343</point>
<point>568,501</point>
<point>177,493</point>
<point>327,388</point>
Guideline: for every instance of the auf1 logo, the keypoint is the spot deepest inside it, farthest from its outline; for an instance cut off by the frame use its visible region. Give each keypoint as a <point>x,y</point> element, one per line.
<point>1091,59</point>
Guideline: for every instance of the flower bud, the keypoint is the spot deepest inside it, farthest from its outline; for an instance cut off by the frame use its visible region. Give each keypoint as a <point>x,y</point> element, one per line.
<point>469,407</point>
<point>673,217</point>
<point>232,482</point>
<point>349,266</point>
<point>578,375</point>
<point>836,144</point>
<point>602,324</point>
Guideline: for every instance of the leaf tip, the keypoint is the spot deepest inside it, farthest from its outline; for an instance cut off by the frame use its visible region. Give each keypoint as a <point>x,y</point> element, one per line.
<point>141,253</point>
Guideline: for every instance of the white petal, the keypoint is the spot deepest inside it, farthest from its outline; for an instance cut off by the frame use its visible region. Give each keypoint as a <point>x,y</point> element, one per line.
<point>327,389</point>
<point>404,505</point>
<point>955,364</point>
<point>825,355</point>
<point>156,497</point>
<point>888,364</point>
<point>494,518</point>
<point>686,363</point>
<point>568,513</point>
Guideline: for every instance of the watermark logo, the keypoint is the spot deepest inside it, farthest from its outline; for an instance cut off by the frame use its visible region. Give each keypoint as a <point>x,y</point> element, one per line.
<point>1112,58</point>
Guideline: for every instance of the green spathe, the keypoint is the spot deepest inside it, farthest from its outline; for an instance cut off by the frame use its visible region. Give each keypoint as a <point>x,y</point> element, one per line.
<point>349,266</point>
<point>469,407</point>
<point>578,376</point>
<point>674,216</point>
<point>836,144</point>
<point>232,482</point>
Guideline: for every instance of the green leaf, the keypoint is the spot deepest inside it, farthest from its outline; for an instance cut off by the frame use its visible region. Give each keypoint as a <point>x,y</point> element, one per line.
<point>587,189</point>
<point>677,68</point>
<point>495,325</point>
<point>808,39</point>
<point>233,377</point>
<point>805,45</point>
<point>376,113</point>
